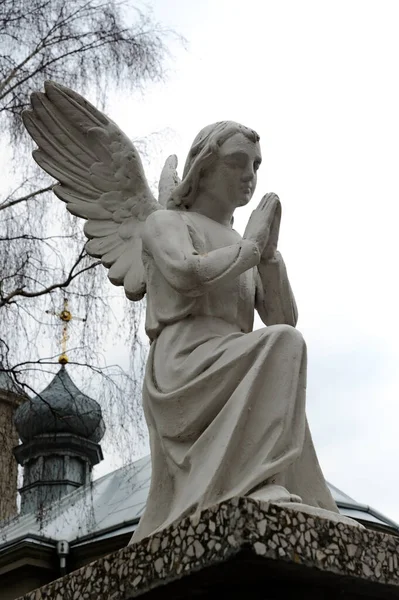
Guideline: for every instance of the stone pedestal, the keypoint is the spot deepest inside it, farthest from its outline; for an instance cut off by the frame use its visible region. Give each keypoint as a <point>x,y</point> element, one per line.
<point>242,548</point>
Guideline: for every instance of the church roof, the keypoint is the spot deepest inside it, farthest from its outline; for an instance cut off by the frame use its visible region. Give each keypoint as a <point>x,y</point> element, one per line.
<point>108,505</point>
<point>113,504</point>
<point>60,408</point>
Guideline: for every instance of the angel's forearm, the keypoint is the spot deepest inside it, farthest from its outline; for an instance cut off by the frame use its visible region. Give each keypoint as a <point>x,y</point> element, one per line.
<point>276,303</point>
<point>196,274</point>
<point>167,239</point>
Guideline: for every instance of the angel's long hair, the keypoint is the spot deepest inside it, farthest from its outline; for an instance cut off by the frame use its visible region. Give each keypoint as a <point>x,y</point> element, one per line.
<point>201,155</point>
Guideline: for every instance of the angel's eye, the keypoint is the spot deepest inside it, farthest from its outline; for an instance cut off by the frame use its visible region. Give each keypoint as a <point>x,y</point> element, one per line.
<point>236,160</point>
<point>256,165</point>
<point>232,162</point>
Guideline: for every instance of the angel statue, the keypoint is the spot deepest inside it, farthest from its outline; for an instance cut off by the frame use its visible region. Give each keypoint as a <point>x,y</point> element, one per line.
<point>225,405</point>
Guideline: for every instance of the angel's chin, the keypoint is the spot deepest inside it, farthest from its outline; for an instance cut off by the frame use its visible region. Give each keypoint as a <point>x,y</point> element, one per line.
<point>244,200</point>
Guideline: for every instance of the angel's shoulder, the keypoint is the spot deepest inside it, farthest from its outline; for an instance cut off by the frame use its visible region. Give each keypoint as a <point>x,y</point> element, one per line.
<point>162,220</point>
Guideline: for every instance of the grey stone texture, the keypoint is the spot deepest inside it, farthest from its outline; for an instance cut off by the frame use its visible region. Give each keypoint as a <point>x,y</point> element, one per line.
<point>243,548</point>
<point>224,405</point>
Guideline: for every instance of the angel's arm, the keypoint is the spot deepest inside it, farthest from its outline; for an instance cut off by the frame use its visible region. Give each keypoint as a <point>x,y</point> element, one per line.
<point>167,239</point>
<point>275,301</point>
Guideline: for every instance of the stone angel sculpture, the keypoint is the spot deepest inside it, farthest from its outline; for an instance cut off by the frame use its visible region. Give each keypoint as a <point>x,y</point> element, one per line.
<point>225,405</point>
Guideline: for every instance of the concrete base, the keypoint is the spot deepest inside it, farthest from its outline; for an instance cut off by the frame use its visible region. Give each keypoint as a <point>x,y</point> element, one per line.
<point>242,548</point>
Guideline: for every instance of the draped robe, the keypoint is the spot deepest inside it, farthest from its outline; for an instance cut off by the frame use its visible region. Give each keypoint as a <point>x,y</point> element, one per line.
<point>225,405</point>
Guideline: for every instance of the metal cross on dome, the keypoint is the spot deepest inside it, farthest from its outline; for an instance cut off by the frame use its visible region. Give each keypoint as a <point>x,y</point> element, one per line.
<point>65,316</point>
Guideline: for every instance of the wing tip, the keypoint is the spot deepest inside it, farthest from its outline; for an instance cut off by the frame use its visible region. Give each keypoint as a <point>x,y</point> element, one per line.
<point>173,161</point>
<point>135,295</point>
<point>50,85</point>
<point>26,115</point>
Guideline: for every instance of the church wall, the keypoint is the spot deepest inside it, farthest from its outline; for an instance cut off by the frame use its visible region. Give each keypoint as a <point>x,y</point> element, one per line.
<point>21,581</point>
<point>8,464</point>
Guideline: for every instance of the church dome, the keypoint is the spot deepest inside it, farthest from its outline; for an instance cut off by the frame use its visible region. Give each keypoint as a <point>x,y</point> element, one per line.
<point>60,408</point>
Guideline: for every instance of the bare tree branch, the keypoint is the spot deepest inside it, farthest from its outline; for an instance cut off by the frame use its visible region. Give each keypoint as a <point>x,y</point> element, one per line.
<point>60,285</point>
<point>88,45</point>
<point>9,203</point>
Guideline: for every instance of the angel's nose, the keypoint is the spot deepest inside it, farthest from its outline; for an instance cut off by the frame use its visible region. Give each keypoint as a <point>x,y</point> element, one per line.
<point>248,174</point>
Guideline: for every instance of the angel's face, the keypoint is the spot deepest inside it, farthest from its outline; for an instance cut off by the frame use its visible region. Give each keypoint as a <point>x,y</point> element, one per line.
<point>233,176</point>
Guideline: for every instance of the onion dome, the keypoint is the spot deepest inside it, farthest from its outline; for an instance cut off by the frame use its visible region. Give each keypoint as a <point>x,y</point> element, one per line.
<point>60,408</point>
<point>60,429</point>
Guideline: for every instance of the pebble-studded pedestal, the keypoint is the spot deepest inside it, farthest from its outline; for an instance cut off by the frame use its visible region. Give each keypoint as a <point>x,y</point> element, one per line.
<point>266,540</point>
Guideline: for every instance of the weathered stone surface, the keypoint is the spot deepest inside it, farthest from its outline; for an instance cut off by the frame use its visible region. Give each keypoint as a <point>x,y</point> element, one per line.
<point>266,540</point>
<point>212,385</point>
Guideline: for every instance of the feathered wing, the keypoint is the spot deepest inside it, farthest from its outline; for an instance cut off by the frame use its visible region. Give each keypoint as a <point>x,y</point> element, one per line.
<point>101,178</point>
<point>169,180</point>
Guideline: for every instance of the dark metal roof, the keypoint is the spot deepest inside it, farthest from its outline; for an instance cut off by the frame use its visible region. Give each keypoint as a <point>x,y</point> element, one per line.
<point>60,407</point>
<point>113,504</point>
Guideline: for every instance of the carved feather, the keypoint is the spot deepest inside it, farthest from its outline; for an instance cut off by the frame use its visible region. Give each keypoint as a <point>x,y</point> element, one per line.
<point>169,180</point>
<point>101,179</point>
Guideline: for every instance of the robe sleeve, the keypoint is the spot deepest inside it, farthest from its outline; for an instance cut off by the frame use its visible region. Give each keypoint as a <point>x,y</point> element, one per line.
<point>166,237</point>
<point>274,300</point>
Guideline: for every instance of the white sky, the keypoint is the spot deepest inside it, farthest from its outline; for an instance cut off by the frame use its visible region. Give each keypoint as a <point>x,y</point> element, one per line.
<point>318,81</point>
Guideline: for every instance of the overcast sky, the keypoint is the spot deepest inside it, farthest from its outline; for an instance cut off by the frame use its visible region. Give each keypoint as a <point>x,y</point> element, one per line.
<point>319,82</point>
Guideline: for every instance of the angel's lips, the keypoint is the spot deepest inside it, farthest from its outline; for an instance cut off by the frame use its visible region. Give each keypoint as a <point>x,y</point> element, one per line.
<point>246,189</point>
